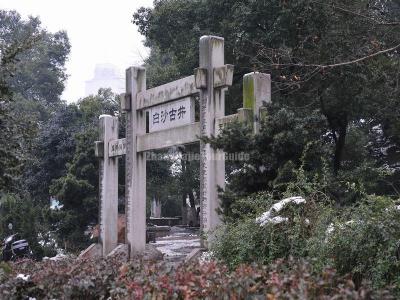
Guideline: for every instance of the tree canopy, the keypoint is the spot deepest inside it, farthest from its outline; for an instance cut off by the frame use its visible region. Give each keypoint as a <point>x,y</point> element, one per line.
<point>335,80</point>
<point>32,76</point>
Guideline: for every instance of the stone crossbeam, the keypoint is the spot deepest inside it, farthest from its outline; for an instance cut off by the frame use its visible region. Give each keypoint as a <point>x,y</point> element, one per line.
<point>243,115</point>
<point>223,76</point>
<point>181,88</point>
<point>171,91</point>
<point>170,137</point>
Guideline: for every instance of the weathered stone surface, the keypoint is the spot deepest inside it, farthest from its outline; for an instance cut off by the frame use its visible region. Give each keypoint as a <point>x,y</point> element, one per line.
<point>194,255</point>
<point>108,186</point>
<point>171,91</point>
<point>168,138</point>
<point>121,251</point>
<point>135,166</point>
<point>221,122</point>
<point>223,76</point>
<point>256,92</point>
<point>200,75</point>
<point>243,115</point>
<point>93,251</point>
<point>117,147</point>
<point>212,107</point>
<point>125,100</point>
<point>149,254</point>
<point>99,149</point>
<point>155,209</point>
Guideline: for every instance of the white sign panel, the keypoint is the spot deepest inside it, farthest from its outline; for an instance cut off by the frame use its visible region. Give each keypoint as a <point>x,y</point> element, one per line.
<point>172,114</point>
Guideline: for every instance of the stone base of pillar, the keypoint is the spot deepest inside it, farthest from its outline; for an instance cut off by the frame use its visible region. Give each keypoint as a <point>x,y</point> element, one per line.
<point>93,251</point>
<point>121,251</point>
<point>151,253</point>
<point>194,255</point>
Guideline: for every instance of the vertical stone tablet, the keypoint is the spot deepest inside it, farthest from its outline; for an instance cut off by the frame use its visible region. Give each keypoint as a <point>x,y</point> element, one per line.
<point>135,181</point>
<point>212,163</point>
<point>256,91</point>
<point>108,186</point>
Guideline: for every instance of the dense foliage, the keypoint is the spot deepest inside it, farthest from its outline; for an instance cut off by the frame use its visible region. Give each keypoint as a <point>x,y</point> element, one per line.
<point>72,279</point>
<point>329,135</point>
<point>334,68</point>
<point>361,240</point>
<point>32,78</point>
<point>77,189</point>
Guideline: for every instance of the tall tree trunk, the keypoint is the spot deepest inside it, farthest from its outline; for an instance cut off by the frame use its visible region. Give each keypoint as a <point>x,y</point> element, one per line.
<point>338,123</point>
<point>193,212</point>
<point>184,210</point>
<point>339,149</point>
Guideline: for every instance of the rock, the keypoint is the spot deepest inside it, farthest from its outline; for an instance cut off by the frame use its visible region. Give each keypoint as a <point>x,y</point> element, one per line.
<point>121,251</point>
<point>194,255</point>
<point>93,251</point>
<point>57,257</point>
<point>152,253</point>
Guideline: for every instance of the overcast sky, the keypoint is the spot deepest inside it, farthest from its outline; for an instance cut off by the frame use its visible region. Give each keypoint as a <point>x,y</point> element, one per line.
<point>100,31</point>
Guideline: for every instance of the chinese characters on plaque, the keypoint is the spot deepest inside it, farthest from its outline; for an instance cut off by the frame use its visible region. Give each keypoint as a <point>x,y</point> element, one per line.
<point>117,147</point>
<point>172,114</point>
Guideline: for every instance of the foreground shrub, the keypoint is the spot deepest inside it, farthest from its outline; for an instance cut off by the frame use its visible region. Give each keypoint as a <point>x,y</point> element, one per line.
<point>103,279</point>
<point>361,240</point>
<point>246,240</point>
<point>5,269</point>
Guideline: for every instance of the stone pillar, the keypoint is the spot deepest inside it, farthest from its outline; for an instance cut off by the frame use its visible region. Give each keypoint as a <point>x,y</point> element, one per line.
<point>135,184</point>
<point>256,91</point>
<point>212,163</point>
<point>155,210</point>
<point>108,186</point>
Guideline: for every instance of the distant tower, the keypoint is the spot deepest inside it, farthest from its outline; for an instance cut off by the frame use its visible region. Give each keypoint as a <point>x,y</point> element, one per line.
<point>105,76</point>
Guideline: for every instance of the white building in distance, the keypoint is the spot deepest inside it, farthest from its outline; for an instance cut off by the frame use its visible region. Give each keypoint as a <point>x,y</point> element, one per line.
<point>105,76</point>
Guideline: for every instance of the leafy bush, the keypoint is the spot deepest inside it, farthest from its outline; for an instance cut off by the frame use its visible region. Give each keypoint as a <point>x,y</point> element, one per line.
<point>246,241</point>
<point>114,279</point>
<point>362,240</point>
<point>26,218</point>
<point>5,269</point>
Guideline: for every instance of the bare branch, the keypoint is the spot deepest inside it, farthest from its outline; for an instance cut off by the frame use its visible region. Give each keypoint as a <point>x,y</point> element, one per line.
<point>359,14</point>
<point>366,17</point>
<point>342,63</point>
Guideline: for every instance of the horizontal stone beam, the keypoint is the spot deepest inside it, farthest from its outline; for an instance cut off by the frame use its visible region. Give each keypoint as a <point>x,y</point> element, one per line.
<point>167,138</point>
<point>243,115</point>
<point>221,122</point>
<point>171,91</point>
<point>117,147</point>
<point>223,76</point>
